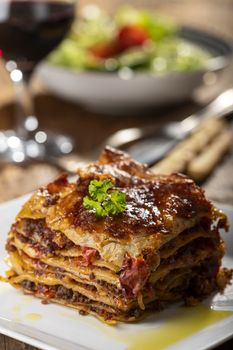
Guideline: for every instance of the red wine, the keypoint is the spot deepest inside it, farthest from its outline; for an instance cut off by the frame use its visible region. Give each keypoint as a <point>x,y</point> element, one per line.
<point>29,30</point>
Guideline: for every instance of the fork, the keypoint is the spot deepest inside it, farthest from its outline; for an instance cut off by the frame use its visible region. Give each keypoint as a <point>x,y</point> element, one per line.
<point>150,144</point>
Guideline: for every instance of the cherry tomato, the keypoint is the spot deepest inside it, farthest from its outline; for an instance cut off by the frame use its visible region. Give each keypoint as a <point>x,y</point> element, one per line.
<point>131,35</point>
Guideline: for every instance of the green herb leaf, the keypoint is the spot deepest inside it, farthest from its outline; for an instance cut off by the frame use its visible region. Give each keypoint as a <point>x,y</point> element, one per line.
<point>116,203</point>
<point>90,204</point>
<point>98,189</point>
<point>101,201</point>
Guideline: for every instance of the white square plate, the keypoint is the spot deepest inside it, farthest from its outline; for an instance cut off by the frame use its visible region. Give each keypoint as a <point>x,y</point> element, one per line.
<point>53,327</point>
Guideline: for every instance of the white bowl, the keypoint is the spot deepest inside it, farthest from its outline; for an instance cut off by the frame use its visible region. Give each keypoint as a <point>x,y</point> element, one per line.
<point>114,94</point>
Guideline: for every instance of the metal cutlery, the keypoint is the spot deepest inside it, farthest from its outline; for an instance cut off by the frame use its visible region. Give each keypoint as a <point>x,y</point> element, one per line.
<point>150,144</point>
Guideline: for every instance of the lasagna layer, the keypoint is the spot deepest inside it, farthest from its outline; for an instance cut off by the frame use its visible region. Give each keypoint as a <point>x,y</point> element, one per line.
<point>165,245</point>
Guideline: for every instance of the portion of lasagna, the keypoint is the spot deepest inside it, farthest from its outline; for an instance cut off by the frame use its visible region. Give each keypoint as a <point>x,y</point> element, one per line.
<point>161,246</point>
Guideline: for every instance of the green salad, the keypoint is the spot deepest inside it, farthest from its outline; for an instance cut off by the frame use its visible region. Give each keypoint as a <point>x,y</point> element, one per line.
<point>136,39</point>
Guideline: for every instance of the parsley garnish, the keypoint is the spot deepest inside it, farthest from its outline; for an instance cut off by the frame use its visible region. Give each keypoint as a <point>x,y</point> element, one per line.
<point>102,201</point>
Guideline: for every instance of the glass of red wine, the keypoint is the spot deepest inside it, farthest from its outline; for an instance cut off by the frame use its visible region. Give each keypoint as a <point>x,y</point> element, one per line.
<point>29,31</point>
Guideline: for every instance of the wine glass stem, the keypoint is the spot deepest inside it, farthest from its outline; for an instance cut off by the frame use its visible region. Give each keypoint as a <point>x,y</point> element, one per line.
<point>24,104</point>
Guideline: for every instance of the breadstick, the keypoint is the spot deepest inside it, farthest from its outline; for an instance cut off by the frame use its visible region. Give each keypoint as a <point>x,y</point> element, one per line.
<point>203,135</point>
<point>202,165</point>
<point>174,163</point>
<point>179,157</point>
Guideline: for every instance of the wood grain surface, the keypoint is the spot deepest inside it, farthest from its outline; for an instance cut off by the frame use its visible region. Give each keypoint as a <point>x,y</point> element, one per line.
<point>89,130</point>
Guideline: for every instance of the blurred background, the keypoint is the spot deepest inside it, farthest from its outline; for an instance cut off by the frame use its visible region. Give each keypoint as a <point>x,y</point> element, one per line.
<point>88,129</point>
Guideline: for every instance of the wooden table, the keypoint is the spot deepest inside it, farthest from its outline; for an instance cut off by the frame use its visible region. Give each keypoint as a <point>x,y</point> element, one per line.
<point>89,129</point>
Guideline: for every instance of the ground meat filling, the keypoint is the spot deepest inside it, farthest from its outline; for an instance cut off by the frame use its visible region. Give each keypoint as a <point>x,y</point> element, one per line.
<point>57,291</point>
<point>28,285</point>
<point>40,237</point>
<point>112,288</point>
<point>67,294</point>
